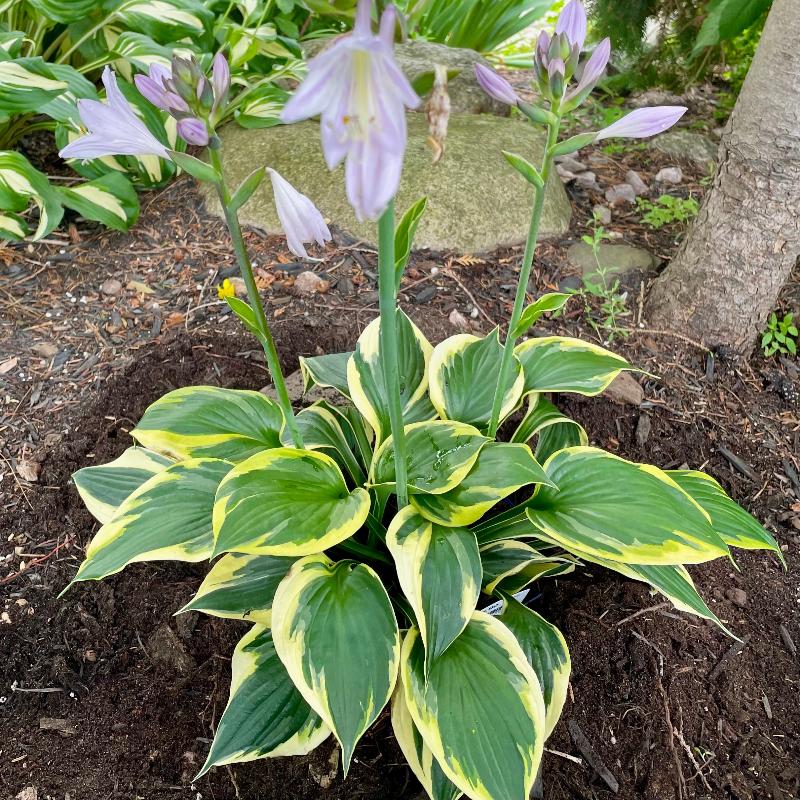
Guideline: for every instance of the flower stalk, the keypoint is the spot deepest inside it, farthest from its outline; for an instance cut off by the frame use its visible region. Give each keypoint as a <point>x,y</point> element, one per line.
<point>387,284</point>
<point>246,269</point>
<point>524,274</point>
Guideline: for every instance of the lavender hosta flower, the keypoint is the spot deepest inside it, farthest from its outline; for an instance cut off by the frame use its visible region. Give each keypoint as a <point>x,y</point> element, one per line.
<point>572,22</point>
<point>300,218</point>
<point>220,80</point>
<point>361,95</point>
<point>495,85</point>
<point>592,71</point>
<point>154,88</point>
<point>114,128</point>
<point>193,131</point>
<point>643,122</point>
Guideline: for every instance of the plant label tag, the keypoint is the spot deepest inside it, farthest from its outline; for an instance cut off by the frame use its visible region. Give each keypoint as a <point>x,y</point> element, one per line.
<point>495,608</point>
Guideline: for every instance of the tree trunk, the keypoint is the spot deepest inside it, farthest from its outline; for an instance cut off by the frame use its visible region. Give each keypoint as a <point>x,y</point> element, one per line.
<point>743,246</point>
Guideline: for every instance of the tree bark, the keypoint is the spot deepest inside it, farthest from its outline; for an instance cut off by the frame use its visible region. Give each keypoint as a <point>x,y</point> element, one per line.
<point>743,246</point>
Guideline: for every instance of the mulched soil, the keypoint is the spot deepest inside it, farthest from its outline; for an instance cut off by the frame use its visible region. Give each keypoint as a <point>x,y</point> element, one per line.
<point>103,694</point>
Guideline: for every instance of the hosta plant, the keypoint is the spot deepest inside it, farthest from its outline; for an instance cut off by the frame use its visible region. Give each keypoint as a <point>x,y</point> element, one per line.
<point>365,539</point>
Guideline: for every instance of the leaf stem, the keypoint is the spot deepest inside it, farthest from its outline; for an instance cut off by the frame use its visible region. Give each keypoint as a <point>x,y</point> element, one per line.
<point>524,277</point>
<point>387,283</point>
<point>246,268</point>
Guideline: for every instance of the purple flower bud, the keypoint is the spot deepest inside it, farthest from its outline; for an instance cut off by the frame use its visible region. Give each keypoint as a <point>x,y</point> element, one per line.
<point>572,21</point>
<point>114,128</point>
<point>300,219</point>
<point>495,85</point>
<point>220,80</point>
<point>542,47</point>
<point>193,131</point>
<point>556,71</point>
<point>592,70</point>
<point>643,122</point>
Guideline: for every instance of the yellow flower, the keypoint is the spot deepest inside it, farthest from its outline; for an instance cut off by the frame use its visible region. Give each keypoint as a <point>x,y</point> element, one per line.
<point>226,289</point>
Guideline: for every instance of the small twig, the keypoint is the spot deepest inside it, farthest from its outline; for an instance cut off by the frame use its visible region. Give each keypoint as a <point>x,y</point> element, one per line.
<point>590,754</point>
<point>688,750</point>
<point>673,334</point>
<point>451,274</point>
<point>641,612</point>
<point>35,561</point>
<point>573,759</point>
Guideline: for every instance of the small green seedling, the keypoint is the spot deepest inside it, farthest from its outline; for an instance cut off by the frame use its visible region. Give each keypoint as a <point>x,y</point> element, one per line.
<point>780,336</point>
<point>667,209</point>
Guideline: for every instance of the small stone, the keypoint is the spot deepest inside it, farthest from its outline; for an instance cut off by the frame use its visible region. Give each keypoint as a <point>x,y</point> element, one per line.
<point>737,597</point>
<point>474,313</point>
<point>29,470</point>
<point>309,283</point>
<point>625,389</point>
<point>621,193</point>
<point>588,181</point>
<point>572,164</point>
<point>60,726</point>
<point>565,175</point>
<point>618,259</point>
<point>239,286</point>
<point>185,624</point>
<point>672,175</point>
<point>458,321</point>
<point>45,349</point>
<point>688,145</point>
<point>602,214</point>
<point>28,793</point>
<point>166,649</point>
<point>634,180</point>
<point>111,287</point>
<point>426,295</point>
<point>643,430</point>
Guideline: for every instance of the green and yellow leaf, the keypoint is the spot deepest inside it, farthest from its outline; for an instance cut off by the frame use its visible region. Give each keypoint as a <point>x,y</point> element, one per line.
<point>511,565</point>
<point>621,511</point>
<point>562,364</point>
<point>366,381</point>
<point>197,421</point>
<point>26,84</point>
<point>463,373</point>
<point>480,711</point>
<point>109,199</point>
<point>266,716</point>
<point>105,487</point>
<point>21,183</point>
<point>168,518</point>
<point>327,371</point>
<point>241,586</point>
<point>440,454</point>
<point>555,431</point>
<point>501,469</point>
<point>286,502</point>
<point>439,570</point>
<point>336,633</point>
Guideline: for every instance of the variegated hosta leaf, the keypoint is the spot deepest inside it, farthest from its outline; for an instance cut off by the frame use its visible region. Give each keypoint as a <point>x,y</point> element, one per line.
<point>168,518</point>
<point>286,502</point>
<point>336,633</point>
<point>197,421</point>
<point>21,183</point>
<point>511,524</point>
<point>105,487</point>
<point>365,376</point>
<point>481,710</point>
<point>167,21</point>
<point>418,755</point>
<point>621,511</point>
<point>266,716</point>
<point>555,430</point>
<point>241,586</point>
<point>561,364</point>
<point>11,43</point>
<point>501,469</point>
<point>511,565</point>
<point>439,570</point>
<point>64,107</point>
<point>140,51</point>
<point>736,527</point>
<point>464,371</point>
<point>109,199</point>
<point>321,428</point>
<point>26,84</point>
<point>262,107</point>
<point>66,10</point>
<point>327,371</point>
<point>12,226</point>
<point>439,454</point>
<point>546,651</point>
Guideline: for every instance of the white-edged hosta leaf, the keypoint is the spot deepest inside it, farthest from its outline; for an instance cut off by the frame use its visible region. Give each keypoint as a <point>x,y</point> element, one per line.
<point>336,633</point>
<point>555,431</point>
<point>286,502</point>
<point>141,51</point>
<point>328,371</point>
<point>266,716</point>
<point>105,487</point>
<point>553,301</point>
<point>365,376</point>
<point>463,373</point>
<point>621,511</point>
<point>196,421</point>
<point>109,199</point>
<point>168,518</point>
<point>501,469</point>
<point>546,651</point>
<point>11,43</point>
<point>418,755</point>
<point>166,21</point>
<point>562,364</point>
<point>511,565</point>
<point>12,227</point>
<point>261,108</point>
<point>481,710</point>
<point>26,84</point>
<point>321,429</point>
<point>736,527</point>
<point>66,10</point>
<point>241,586</point>
<point>64,106</point>
<point>21,183</point>
<point>439,570</point>
<point>439,454</point>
